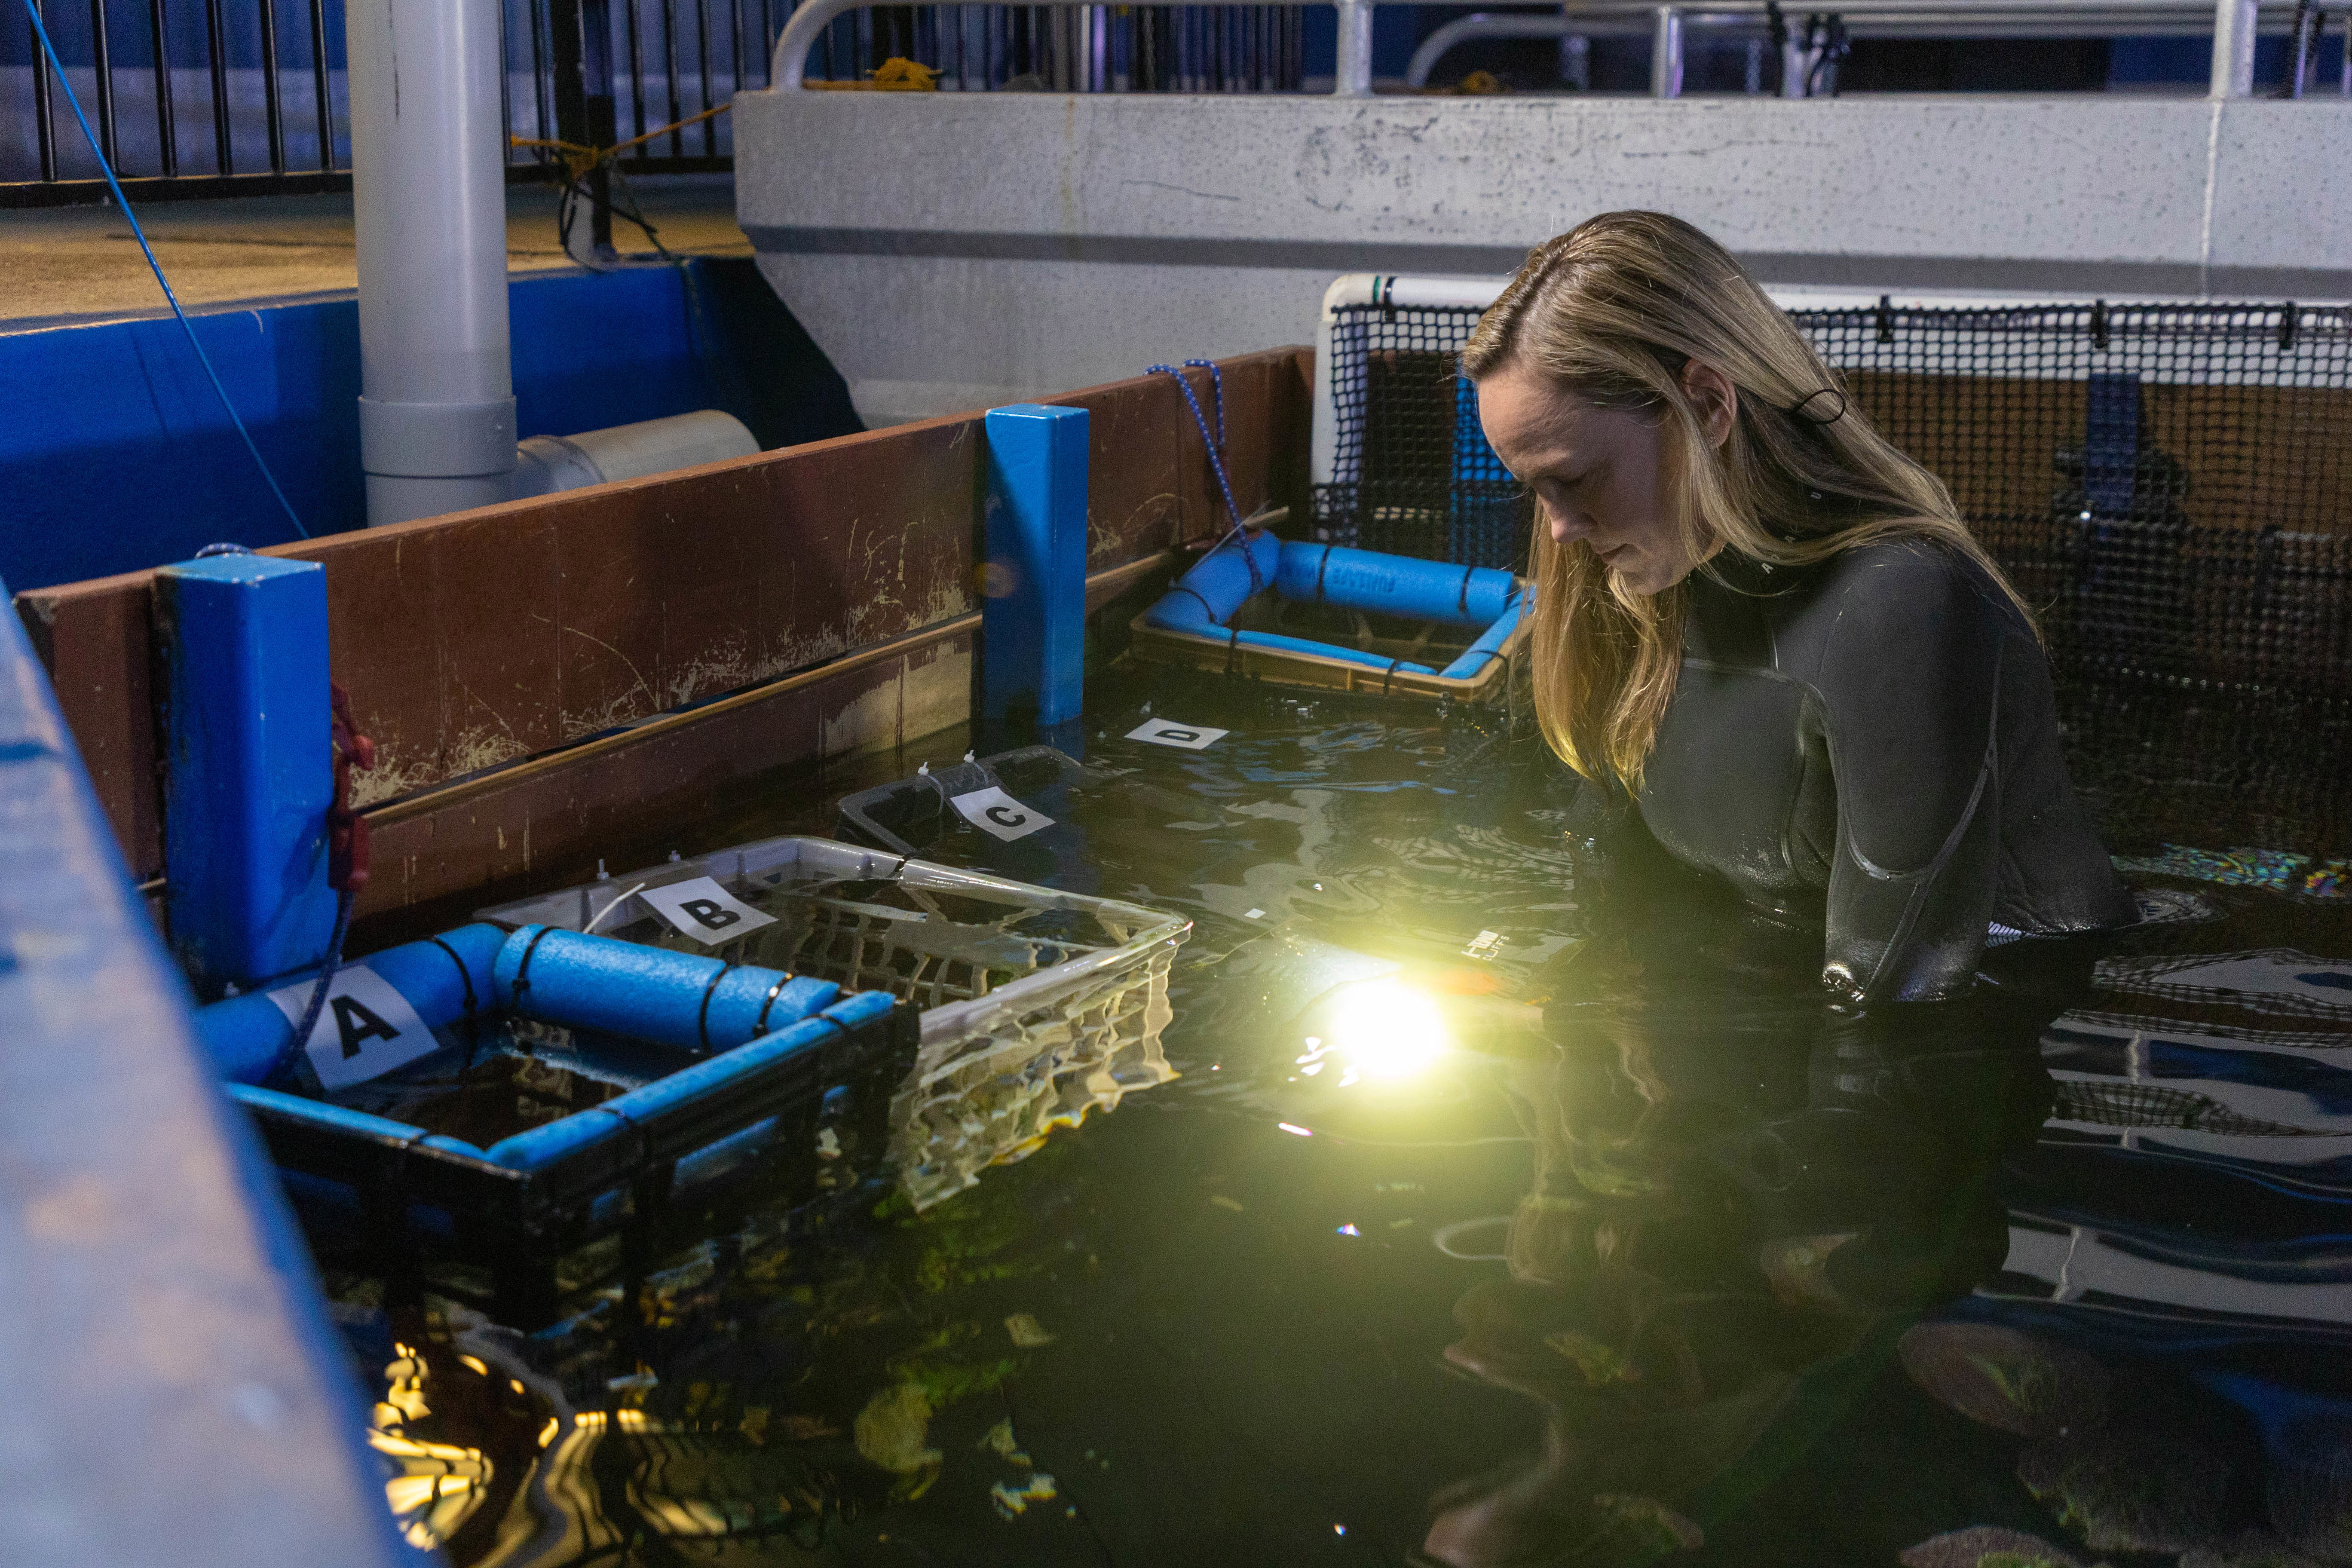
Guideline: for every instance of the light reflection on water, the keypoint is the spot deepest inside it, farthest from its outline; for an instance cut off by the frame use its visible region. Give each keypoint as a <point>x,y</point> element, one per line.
<point>1482,1230</point>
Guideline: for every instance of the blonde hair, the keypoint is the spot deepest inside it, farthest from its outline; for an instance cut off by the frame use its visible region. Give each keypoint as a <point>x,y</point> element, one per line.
<point>1612,311</point>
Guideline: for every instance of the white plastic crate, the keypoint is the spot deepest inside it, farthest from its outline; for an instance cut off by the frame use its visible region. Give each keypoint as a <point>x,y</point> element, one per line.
<point>1038,1005</point>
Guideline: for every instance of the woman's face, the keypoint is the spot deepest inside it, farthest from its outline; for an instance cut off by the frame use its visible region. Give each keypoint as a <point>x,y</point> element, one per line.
<point>1598,475</point>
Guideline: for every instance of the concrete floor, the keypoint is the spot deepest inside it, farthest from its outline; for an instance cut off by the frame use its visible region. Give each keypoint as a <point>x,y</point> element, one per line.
<point>75,264</point>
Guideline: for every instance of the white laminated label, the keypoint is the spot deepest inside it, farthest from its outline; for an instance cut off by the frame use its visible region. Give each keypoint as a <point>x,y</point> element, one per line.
<point>1184,737</point>
<point>701,908</point>
<point>365,1029</point>
<point>997,813</point>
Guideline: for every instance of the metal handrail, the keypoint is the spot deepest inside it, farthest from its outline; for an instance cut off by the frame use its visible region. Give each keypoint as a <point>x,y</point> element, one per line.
<point>788,70</point>
<point>2233,23</point>
<point>1994,19</point>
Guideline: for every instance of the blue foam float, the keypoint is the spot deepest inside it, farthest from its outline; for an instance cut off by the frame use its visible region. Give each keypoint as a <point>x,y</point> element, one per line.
<point>678,999</point>
<point>1203,602</point>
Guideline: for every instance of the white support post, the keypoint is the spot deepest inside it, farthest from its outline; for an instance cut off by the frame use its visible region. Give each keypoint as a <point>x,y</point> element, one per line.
<point>2233,49</point>
<point>428,184</point>
<point>1666,54</point>
<point>1355,61</point>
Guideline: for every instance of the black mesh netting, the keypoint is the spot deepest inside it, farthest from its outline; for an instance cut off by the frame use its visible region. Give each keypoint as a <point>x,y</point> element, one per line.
<point>2165,483</point>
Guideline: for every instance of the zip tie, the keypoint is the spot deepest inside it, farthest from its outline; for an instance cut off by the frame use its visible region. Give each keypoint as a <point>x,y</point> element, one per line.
<point>465,978</point>
<point>702,1014</point>
<point>760,1025</point>
<point>33,10</point>
<point>522,969</point>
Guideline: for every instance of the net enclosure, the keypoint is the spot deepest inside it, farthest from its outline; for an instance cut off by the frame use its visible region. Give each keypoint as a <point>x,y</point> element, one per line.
<point>2165,482</point>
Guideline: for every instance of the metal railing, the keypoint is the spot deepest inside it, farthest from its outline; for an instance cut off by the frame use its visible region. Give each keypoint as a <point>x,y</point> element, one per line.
<point>1669,28</point>
<point>215,98</point>
<point>2233,23</point>
<point>223,98</point>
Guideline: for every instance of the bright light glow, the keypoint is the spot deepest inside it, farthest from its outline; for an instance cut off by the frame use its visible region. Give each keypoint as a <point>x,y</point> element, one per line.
<point>1288,1127</point>
<point>1350,1229</point>
<point>1386,1029</point>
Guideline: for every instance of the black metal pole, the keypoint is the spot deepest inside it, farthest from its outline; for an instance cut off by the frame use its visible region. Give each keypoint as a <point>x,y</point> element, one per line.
<point>167,140</point>
<point>223,158</point>
<point>669,64</point>
<point>41,103</point>
<point>103,58</point>
<point>581,41</point>
<point>277,125</point>
<point>323,82</point>
<point>702,61</point>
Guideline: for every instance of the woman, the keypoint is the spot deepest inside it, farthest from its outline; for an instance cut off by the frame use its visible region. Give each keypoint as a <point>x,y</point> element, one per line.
<point>1768,626</point>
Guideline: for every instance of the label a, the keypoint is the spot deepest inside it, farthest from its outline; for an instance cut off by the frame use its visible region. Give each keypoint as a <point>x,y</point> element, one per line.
<point>365,1029</point>
<point>1184,737</point>
<point>701,908</point>
<point>998,815</point>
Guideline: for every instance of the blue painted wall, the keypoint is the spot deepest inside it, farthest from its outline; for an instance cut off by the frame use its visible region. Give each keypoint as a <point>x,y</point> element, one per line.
<point>115,455</point>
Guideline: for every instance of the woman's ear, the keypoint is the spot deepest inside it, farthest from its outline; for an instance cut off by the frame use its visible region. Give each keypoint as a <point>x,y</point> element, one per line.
<point>1712,397</point>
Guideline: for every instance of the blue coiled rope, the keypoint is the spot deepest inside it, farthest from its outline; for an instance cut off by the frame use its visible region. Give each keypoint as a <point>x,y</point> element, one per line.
<point>51,49</point>
<point>1216,445</point>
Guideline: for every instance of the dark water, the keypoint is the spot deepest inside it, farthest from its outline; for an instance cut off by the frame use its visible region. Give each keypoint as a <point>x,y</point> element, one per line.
<point>1658,1260</point>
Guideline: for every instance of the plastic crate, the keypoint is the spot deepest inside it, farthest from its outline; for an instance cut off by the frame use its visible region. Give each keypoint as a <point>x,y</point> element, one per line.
<point>1335,619</point>
<point>615,1121</point>
<point>1037,1005</point>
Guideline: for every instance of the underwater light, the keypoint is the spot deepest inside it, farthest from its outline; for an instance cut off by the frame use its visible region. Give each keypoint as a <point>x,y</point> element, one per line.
<point>1386,1029</point>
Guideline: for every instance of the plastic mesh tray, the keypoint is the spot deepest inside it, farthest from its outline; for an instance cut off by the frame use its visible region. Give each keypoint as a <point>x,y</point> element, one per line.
<point>1037,1005</point>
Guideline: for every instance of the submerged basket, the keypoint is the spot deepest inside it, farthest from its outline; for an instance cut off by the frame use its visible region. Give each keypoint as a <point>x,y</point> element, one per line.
<point>1037,1005</point>
<point>543,1093</point>
<point>1336,619</point>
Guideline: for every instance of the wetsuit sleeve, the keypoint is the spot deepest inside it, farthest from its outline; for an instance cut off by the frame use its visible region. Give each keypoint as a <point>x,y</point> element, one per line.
<point>1909,694</point>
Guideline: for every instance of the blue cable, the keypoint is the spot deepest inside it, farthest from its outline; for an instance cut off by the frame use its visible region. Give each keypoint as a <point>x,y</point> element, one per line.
<point>139,234</point>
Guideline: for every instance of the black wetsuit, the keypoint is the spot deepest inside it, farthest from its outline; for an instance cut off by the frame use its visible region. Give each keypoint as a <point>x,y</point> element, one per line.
<point>1872,743</point>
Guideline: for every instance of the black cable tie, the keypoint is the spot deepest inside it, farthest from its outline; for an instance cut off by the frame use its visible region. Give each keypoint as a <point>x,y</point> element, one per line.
<point>702,1014</point>
<point>2099,326</point>
<point>1462,605</point>
<point>760,1025</point>
<point>465,978</point>
<point>522,968</point>
<point>1207,608</point>
<point>1885,317</point>
<point>2289,318</point>
<point>1320,567</point>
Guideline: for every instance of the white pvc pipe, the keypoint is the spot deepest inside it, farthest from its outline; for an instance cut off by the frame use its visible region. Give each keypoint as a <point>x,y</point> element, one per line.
<point>1353,73</point>
<point>428,182</point>
<point>1666,54</point>
<point>2234,23</point>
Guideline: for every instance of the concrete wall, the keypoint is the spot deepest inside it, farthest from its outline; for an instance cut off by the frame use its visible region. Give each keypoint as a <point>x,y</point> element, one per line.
<point>953,251</point>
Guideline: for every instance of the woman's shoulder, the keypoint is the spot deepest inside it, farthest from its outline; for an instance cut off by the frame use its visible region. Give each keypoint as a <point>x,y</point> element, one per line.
<point>1916,576</point>
<point>1914,599</point>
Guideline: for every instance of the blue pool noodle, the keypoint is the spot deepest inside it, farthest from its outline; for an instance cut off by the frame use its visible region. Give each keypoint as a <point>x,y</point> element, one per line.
<point>1217,586</point>
<point>1394,584</point>
<point>647,993</point>
<point>542,1146</point>
<point>248,1036</point>
<point>1489,646</point>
